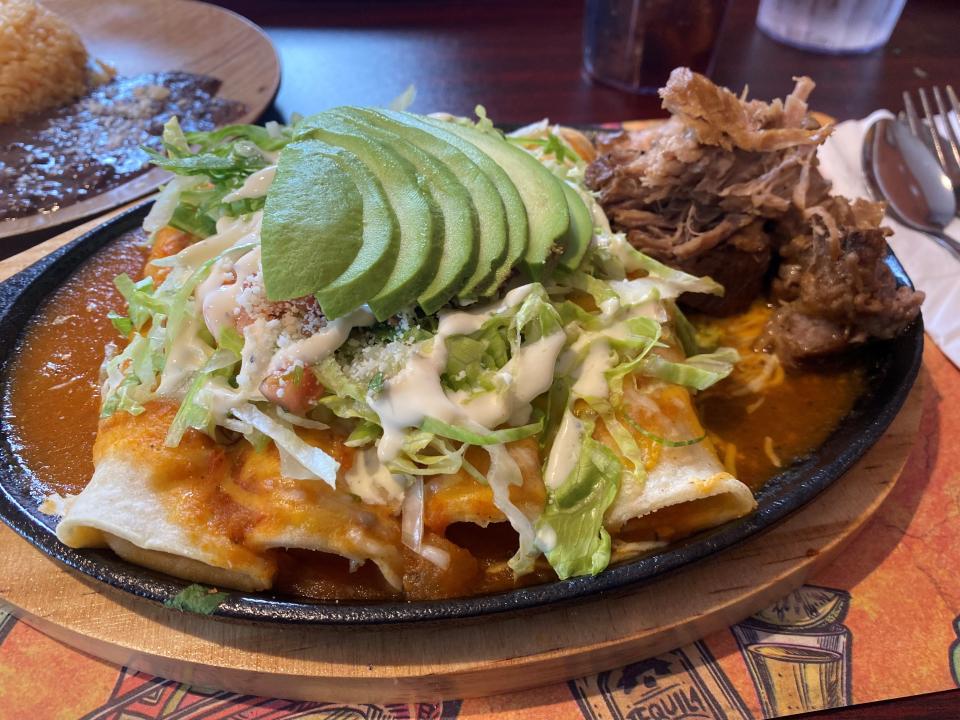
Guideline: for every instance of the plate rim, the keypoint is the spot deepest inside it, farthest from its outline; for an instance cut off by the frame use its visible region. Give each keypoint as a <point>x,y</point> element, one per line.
<point>33,284</point>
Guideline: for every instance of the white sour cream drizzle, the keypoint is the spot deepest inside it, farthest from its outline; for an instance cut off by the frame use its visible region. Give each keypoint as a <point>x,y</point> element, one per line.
<point>590,356</point>
<point>528,374</point>
<point>230,233</point>
<point>217,295</point>
<point>590,379</point>
<point>187,355</point>
<point>372,482</point>
<point>254,186</point>
<point>565,451</point>
<point>416,393</point>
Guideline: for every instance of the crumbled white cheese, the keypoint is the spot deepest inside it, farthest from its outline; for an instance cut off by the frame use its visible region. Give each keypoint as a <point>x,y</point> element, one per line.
<point>387,358</point>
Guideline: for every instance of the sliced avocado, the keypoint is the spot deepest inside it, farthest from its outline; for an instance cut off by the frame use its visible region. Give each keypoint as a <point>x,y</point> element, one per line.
<point>419,250</point>
<point>540,190</point>
<point>490,213</point>
<point>378,251</point>
<point>312,227</point>
<point>577,239</point>
<point>515,212</point>
<point>458,216</point>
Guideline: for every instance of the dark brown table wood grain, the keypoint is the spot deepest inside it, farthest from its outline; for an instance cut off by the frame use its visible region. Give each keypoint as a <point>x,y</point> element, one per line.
<point>522,61</point>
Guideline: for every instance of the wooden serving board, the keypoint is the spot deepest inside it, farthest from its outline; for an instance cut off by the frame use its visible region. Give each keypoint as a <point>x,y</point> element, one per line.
<point>445,660</point>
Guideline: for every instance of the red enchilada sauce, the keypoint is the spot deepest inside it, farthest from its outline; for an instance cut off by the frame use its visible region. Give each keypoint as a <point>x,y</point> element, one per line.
<point>53,410</point>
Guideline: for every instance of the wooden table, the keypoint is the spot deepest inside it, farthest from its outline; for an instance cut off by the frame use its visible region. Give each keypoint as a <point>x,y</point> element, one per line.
<point>522,60</point>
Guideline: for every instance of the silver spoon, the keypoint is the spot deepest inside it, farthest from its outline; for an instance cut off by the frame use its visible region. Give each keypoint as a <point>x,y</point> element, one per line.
<point>899,169</point>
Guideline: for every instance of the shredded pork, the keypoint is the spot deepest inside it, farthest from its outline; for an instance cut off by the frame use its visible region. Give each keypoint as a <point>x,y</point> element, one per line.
<point>729,187</point>
<point>833,287</point>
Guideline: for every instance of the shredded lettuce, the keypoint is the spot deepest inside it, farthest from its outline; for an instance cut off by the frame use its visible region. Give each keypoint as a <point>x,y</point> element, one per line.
<point>405,99</point>
<point>470,360</point>
<point>178,305</point>
<point>471,437</point>
<point>474,359</point>
<point>698,372</point>
<point>660,439</point>
<point>121,323</point>
<point>425,454</point>
<point>613,257</point>
<point>550,144</point>
<point>535,318</point>
<point>193,219</point>
<point>364,434</point>
<point>312,459</point>
<point>141,303</point>
<point>197,599</point>
<point>231,340</point>
<point>130,378</point>
<point>557,402</point>
<point>626,442</point>
<point>573,517</point>
<point>503,473</point>
<point>166,203</point>
<point>331,375</point>
<point>208,167</point>
<point>300,421</point>
<point>645,335</point>
<point>634,260</point>
<point>174,139</point>
<point>349,409</point>
<point>193,412</point>
<point>686,333</point>
<point>600,290</point>
<point>270,138</point>
<point>484,123</point>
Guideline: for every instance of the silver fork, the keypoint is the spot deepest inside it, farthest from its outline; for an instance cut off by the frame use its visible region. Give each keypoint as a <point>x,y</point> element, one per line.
<point>945,147</point>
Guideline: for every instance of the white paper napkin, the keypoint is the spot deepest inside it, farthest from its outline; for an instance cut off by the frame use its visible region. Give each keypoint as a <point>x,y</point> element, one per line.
<point>932,269</point>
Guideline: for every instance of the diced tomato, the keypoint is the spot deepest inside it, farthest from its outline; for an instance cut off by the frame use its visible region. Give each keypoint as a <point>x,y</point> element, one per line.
<point>168,241</point>
<point>294,391</point>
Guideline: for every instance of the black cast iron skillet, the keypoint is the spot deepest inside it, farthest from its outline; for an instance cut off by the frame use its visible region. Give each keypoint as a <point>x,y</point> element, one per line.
<point>893,367</point>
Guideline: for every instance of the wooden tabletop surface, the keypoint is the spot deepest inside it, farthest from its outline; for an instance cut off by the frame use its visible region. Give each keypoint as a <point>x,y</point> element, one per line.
<point>523,62</point>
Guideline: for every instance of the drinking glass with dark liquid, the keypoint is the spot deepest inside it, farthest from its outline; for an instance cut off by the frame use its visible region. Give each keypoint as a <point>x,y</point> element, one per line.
<point>634,44</point>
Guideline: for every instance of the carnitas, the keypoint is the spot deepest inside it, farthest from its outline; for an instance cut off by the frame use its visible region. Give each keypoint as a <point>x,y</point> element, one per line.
<point>729,187</point>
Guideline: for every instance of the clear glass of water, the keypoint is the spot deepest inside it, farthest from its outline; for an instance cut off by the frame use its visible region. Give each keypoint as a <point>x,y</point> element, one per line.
<point>830,26</point>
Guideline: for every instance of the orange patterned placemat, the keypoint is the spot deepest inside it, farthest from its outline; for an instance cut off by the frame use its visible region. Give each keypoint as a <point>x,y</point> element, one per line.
<point>880,622</point>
